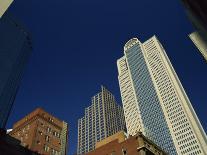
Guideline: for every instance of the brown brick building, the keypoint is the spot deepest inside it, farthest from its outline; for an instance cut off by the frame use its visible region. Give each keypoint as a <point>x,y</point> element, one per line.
<point>119,144</point>
<point>39,131</point>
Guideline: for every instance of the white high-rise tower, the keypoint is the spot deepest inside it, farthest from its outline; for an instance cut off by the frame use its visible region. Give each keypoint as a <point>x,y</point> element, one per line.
<point>155,102</point>
<point>103,118</point>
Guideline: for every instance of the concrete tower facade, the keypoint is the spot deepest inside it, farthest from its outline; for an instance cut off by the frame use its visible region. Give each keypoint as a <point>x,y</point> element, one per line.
<point>154,100</point>
<point>102,119</point>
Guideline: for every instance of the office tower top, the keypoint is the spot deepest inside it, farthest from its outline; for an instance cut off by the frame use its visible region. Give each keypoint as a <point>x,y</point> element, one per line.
<point>154,100</point>
<point>4,4</point>
<point>41,132</point>
<point>103,118</point>
<point>15,49</point>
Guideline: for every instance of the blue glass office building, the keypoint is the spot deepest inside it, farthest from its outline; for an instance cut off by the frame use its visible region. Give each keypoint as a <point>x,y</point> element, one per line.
<point>15,49</point>
<point>142,108</point>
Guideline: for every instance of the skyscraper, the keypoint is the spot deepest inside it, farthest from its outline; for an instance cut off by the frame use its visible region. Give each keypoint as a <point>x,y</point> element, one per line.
<point>41,132</point>
<point>4,4</point>
<point>155,102</point>
<point>196,11</point>
<point>200,42</point>
<point>102,119</point>
<point>15,49</point>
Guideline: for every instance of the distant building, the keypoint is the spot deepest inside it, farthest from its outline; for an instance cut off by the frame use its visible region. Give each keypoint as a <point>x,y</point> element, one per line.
<point>197,12</point>
<point>11,146</point>
<point>41,132</point>
<point>102,119</point>
<point>155,101</point>
<point>4,4</point>
<point>120,144</point>
<point>15,49</point>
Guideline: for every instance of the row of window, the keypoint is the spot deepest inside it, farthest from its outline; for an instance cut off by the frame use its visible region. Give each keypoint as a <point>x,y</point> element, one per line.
<point>46,148</point>
<point>191,149</point>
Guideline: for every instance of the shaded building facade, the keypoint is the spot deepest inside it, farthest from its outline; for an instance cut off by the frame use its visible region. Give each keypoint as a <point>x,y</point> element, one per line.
<point>103,118</point>
<point>15,49</point>
<point>41,132</point>
<point>120,144</point>
<point>11,146</point>
<point>155,102</point>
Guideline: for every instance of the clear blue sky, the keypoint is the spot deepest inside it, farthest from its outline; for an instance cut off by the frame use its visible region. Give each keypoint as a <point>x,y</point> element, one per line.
<point>76,45</point>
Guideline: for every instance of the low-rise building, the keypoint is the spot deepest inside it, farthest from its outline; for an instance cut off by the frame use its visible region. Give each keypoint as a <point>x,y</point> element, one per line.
<point>41,132</point>
<point>121,144</point>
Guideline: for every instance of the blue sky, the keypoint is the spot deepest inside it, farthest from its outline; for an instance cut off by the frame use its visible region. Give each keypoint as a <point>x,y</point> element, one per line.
<point>76,45</point>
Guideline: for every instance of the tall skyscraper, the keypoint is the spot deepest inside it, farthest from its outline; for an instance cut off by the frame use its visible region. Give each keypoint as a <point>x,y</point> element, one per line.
<point>15,49</point>
<point>196,11</point>
<point>155,102</point>
<point>200,42</point>
<point>41,132</point>
<point>4,4</point>
<point>102,119</point>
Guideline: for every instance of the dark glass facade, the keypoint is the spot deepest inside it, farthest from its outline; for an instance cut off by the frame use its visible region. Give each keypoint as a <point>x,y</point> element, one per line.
<point>15,49</point>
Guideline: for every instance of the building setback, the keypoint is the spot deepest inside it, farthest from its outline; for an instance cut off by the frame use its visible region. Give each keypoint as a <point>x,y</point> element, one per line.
<point>155,102</point>
<point>120,144</point>
<point>41,132</point>
<point>15,49</point>
<point>102,119</point>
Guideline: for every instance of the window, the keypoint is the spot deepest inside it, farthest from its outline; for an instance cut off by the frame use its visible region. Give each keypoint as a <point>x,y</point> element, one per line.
<point>124,151</point>
<point>47,138</point>
<point>49,129</point>
<point>38,142</point>
<point>56,134</point>
<point>46,148</point>
<point>40,132</point>
<point>50,119</point>
<point>28,127</point>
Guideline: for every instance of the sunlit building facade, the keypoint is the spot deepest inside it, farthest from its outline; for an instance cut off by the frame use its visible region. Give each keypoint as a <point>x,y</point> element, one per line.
<point>15,49</point>
<point>42,132</point>
<point>102,119</point>
<point>155,102</point>
<point>4,4</point>
<point>200,42</point>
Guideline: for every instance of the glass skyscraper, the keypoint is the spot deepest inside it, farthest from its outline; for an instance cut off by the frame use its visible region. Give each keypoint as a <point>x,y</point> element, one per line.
<point>15,49</point>
<point>102,119</point>
<point>155,102</point>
